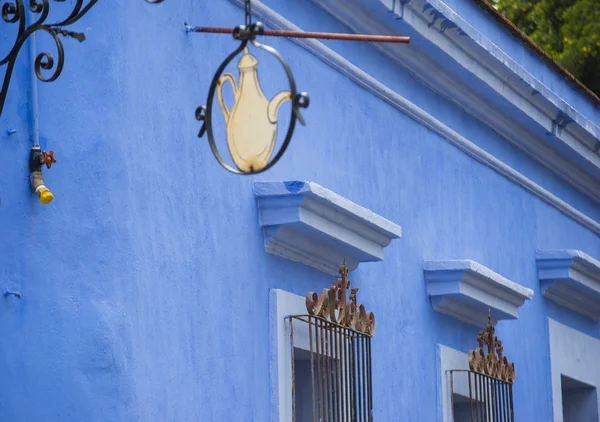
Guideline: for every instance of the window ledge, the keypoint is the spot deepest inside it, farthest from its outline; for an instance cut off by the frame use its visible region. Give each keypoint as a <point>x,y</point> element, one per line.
<point>467,291</point>
<point>572,279</point>
<point>307,223</point>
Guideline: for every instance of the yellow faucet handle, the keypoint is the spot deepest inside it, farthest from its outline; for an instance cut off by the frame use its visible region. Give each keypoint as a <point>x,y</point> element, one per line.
<point>45,196</point>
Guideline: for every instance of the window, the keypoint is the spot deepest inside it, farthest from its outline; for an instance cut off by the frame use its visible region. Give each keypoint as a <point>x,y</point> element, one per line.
<point>484,392</point>
<point>331,357</point>
<point>461,407</point>
<point>579,400</point>
<point>487,398</point>
<point>575,374</point>
<point>332,381</point>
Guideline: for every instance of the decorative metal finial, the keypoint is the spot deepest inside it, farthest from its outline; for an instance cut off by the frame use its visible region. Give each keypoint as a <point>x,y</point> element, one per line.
<point>493,363</point>
<point>332,306</point>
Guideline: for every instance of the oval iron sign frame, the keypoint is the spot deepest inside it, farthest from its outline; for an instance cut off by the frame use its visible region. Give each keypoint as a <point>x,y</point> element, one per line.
<point>205,113</point>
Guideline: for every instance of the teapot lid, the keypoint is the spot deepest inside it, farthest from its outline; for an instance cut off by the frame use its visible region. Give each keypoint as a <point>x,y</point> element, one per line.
<point>247,61</point>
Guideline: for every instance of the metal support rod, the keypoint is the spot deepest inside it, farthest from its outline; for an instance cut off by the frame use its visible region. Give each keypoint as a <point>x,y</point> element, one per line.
<point>301,34</point>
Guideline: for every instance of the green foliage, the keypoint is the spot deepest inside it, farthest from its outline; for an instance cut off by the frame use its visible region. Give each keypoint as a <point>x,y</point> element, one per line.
<point>569,30</point>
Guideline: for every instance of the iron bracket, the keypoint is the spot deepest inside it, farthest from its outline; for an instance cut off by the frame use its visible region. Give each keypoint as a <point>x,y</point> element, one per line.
<point>15,12</point>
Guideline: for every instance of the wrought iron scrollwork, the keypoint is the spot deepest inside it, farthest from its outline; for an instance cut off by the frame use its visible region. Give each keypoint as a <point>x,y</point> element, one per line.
<point>15,12</point>
<point>493,363</point>
<point>331,305</point>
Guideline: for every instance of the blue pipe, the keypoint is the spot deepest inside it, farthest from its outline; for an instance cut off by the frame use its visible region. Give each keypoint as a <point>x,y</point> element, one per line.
<point>35,166</point>
<point>33,103</point>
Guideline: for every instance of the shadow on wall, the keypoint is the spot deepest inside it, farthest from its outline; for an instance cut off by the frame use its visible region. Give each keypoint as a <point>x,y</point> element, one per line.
<point>579,400</point>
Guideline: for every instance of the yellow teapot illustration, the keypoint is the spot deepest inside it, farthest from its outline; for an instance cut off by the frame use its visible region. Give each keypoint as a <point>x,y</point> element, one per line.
<point>252,122</point>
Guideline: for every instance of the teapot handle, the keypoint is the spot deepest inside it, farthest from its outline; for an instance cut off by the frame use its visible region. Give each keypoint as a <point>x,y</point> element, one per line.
<point>226,77</point>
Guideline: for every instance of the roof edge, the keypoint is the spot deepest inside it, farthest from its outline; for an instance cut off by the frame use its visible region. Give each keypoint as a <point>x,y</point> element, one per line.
<point>496,14</point>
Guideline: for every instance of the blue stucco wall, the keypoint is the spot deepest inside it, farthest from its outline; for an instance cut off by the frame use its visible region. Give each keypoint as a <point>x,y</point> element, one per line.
<point>145,284</point>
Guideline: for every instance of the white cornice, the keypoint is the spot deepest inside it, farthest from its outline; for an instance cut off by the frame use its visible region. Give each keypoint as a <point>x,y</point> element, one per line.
<point>572,279</point>
<point>307,223</point>
<point>459,40</point>
<point>467,291</point>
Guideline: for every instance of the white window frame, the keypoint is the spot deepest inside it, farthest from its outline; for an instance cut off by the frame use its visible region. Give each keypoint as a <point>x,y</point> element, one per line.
<point>450,359</point>
<point>575,355</point>
<point>281,305</point>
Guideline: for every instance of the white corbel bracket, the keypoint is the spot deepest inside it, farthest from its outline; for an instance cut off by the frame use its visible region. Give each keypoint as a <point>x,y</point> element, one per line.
<point>307,223</point>
<point>467,291</point>
<point>571,278</point>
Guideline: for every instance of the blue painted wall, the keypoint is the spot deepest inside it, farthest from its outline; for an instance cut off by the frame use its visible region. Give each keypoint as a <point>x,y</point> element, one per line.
<point>145,284</point>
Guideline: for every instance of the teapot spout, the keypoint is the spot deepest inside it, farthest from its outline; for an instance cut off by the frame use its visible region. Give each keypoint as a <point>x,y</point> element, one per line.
<point>275,103</point>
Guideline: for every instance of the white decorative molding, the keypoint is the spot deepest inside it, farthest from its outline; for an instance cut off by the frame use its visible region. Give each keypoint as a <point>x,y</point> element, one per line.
<point>467,290</point>
<point>281,305</point>
<point>574,355</point>
<point>307,223</point>
<point>331,58</point>
<point>572,279</point>
<point>449,360</point>
<point>478,56</point>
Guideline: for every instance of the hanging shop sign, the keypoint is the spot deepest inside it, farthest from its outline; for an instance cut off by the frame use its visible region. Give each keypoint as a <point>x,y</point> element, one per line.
<point>31,19</point>
<point>252,122</point>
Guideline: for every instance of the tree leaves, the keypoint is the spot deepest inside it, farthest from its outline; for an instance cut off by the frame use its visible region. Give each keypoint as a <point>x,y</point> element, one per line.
<point>568,30</point>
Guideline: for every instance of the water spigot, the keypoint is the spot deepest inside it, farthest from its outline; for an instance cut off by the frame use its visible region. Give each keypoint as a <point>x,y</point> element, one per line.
<point>36,160</point>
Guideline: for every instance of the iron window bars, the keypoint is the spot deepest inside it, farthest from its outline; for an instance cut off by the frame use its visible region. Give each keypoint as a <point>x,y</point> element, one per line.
<point>490,380</point>
<point>340,371</point>
<point>15,12</point>
<point>339,356</point>
<point>490,399</point>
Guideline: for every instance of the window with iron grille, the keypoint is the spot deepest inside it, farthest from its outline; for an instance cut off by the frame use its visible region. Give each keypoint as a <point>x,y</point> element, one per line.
<point>484,392</point>
<point>331,357</point>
